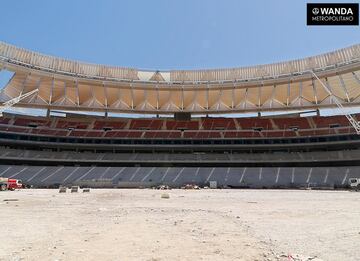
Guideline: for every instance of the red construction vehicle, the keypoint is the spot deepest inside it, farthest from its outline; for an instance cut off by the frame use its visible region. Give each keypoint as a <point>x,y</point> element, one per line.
<point>10,184</point>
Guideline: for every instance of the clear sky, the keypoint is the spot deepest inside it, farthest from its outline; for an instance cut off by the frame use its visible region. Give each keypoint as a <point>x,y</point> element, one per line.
<point>170,34</point>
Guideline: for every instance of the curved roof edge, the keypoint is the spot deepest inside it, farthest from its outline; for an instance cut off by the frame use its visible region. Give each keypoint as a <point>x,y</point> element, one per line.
<point>20,56</point>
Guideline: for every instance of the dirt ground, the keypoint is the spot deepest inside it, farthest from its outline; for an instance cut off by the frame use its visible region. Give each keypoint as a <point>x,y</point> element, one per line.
<point>137,224</point>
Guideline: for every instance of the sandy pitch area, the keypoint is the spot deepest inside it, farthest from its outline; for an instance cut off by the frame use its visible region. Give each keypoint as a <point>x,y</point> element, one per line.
<point>192,225</point>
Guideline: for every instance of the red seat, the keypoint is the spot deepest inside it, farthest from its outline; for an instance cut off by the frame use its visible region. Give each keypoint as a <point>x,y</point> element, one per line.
<point>218,123</point>
<point>170,134</point>
<point>118,134</point>
<point>241,134</point>
<point>77,133</point>
<point>63,124</point>
<point>135,134</point>
<point>146,124</point>
<point>286,123</point>
<point>325,122</point>
<point>251,123</point>
<point>94,134</point>
<point>212,128</point>
<point>4,120</point>
<point>182,125</point>
<point>207,134</point>
<point>27,122</point>
<point>150,134</point>
<point>99,125</point>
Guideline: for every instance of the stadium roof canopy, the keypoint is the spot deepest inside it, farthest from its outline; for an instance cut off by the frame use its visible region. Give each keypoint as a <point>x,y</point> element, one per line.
<point>71,85</point>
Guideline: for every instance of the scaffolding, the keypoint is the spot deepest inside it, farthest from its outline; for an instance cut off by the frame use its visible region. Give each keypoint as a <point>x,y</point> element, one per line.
<point>8,104</point>
<point>353,121</point>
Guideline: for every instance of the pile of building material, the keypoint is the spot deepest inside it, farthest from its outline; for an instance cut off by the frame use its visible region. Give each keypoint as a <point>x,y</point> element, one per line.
<point>213,184</point>
<point>190,186</point>
<point>165,195</point>
<point>75,189</point>
<point>163,187</point>
<point>62,189</point>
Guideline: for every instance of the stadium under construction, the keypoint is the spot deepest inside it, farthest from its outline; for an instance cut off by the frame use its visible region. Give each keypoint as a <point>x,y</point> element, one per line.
<point>248,127</point>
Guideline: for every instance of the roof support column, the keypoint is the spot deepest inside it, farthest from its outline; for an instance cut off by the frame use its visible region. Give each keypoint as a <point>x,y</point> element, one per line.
<point>106,96</point>
<point>314,90</point>
<point>24,83</point>
<point>182,97</point>
<point>272,96</point>
<point>233,96</point>
<point>327,84</point>
<point>38,88</point>
<point>207,97</point>
<point>145,98</point>
<point>259,94</point>
<point>344,88</point>
<point>106,100</point>
<point>51,90</point>
<point>65,87</point>
<point>93,96</point>
<point>356,77</point>
<point>78,92</point>
<point>300,93</point>
<point>157,97</point>
<point>288,94</point>
<point>245,98</point>
<point>132,96</point>
<point>119,96</point>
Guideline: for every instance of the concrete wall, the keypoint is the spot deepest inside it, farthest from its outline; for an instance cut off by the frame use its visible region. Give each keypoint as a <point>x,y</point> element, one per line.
<point>269,177</point>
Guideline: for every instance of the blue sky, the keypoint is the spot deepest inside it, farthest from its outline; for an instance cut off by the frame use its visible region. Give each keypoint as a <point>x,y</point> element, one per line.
<point>176,34</point>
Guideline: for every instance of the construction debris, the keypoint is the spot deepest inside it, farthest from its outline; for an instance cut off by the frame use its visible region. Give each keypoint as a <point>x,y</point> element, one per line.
<point>165,195</point>
<point>297,257</point>
<point>213,184</point>
<point>190,186</point>
<point>62,189</point>
<point>75,189</point>
<point>163,187</point>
